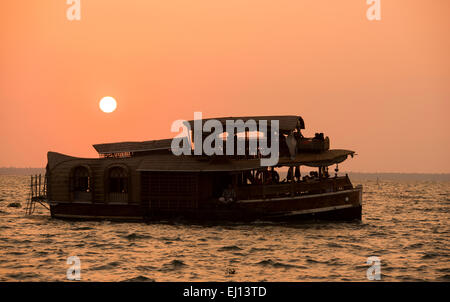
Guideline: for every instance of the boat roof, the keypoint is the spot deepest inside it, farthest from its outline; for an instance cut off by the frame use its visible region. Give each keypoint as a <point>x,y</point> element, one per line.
<point>152,145</point>
<point>286,122</point>
<point>190,163</point>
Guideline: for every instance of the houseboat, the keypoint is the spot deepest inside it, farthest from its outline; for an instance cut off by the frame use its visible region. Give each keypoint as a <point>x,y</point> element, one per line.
<point>146,181</point>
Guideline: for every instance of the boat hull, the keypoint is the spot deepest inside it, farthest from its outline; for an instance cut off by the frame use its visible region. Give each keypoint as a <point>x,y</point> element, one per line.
<point>337,206</point>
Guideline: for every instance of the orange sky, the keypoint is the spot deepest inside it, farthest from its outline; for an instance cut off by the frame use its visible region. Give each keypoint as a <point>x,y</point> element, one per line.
<point>381,88</point>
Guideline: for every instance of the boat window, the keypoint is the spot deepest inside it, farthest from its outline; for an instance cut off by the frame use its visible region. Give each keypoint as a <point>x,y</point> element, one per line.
<point>81,184</point>
<point>118,180</point>
<point>81,180</point>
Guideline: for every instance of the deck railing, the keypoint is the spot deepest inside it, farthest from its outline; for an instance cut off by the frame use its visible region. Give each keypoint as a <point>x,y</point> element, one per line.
<point>37,194</point>
<point>314,186</point>
<point>119,197</point>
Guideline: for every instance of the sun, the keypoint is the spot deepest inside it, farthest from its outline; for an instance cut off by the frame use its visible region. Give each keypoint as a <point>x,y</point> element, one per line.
<point>108,104</point>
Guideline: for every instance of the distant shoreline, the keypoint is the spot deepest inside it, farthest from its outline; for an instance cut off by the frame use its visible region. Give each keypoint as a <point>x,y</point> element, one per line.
<point>353,175</point>
<point>21,171</point>
<point>399,176</point>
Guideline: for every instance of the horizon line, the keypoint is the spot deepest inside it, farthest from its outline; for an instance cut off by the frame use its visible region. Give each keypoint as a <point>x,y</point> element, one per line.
<point>343,171</point>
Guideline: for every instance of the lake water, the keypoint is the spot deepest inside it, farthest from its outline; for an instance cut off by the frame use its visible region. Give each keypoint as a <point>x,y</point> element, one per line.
<point>405,224</point>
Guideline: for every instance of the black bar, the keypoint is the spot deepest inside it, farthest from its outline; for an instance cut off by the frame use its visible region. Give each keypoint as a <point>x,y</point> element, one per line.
<point>232,291</point>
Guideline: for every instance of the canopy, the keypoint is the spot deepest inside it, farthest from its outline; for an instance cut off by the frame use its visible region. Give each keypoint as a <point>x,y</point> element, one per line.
<point>287,123</point>
<point>192,163</point>
<point>133,146</point>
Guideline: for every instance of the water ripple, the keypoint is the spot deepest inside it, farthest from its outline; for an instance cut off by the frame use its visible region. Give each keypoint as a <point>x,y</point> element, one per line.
<point>405,224</point>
